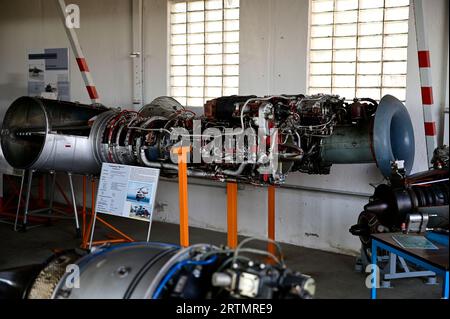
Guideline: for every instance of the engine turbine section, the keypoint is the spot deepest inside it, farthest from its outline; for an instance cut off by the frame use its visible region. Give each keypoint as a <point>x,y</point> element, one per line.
<point>157,271</point>
<point>257,140</point>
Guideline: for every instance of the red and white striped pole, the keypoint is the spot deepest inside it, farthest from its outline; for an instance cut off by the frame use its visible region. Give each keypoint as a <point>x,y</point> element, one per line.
<point>78,52</point>
<point>425,79</point>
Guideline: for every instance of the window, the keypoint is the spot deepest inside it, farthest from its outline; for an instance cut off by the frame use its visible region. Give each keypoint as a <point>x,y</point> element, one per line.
<point>358,48</point>
<point>204,50</point>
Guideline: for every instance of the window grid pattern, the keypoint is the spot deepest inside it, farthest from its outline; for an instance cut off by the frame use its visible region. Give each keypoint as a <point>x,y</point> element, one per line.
<point>358,48</point>
<point>204,50</point>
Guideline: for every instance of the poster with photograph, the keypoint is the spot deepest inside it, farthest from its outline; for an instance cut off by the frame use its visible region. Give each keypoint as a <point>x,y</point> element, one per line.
<point>127,191</point>
<point>48,73</point>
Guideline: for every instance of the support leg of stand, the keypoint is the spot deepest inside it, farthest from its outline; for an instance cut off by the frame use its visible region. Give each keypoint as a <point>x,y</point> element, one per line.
<point>20,199</point>
<point>184,210</point>
<point>271,219</point>
<point>232,190</point>
<point>52,196</point>
<point>93,215</point>
<point>52,192</point>
<point>183,193</point>
<point>74,203</point>
<point>41,193</point>
<point>445,286</point>
<point>83,212</point>
<point>27,200</point>
<point>375,272</point>
<point>91,235</point>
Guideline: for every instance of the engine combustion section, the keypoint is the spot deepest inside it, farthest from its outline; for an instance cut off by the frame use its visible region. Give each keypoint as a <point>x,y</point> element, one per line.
<point>247,138</point>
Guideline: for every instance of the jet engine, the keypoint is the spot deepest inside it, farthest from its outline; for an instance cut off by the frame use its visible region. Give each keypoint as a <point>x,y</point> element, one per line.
<point>246,138</point>
<point>157,271</point>
<point>414,203</point>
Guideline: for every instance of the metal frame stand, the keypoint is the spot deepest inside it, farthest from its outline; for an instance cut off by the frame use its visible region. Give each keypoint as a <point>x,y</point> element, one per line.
<point>27,178</point>
<point>363,260</point>
<point>438,271</point>
<point>390,271</point>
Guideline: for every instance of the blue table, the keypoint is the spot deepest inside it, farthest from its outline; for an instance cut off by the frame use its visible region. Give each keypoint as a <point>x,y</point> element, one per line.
<point>436,261</point>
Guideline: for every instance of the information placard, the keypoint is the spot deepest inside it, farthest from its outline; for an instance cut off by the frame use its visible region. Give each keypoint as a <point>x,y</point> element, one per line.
<point>127,191</point>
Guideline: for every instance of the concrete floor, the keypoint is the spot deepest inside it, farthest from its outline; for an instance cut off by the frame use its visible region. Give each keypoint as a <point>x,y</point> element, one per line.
<point>334,273</point>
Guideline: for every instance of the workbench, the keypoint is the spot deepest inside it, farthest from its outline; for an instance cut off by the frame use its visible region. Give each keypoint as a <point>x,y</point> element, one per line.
<point>435,260</point>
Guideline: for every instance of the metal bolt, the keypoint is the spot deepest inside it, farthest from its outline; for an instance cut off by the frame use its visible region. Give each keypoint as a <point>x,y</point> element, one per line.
<point>123,271</point>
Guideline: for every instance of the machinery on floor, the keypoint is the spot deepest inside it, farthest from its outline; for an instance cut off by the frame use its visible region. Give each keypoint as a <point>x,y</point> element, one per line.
<point>412,204</point>
<point>158,271</point>
<point>415,204</point>
<point>246,138</point>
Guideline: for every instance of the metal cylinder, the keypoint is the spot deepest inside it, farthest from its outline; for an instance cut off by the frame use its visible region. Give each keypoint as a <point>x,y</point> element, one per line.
<point>118,272</point>
<point>348,145</point>
<point>43,134</point>
<point>387,137</point>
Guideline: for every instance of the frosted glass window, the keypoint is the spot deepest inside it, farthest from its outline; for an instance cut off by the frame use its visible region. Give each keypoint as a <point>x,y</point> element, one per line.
<point>204,50</point>
<point>358,48</point>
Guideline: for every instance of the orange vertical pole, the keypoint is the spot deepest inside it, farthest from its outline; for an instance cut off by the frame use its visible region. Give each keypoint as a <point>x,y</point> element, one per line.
<point>83,212</point>
<point>271,218</point>
<point>183,194</point>
<point>232,190</point>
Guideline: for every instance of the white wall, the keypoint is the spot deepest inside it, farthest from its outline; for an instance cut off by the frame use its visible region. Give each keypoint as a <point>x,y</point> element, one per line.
<point>104,35</point>
<point>272,61</point>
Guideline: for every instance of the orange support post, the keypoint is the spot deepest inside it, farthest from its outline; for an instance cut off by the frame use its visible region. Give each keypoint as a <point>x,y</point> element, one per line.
<point>271,218</point>
<point>125,236</point>
<point>232,190</point>
<point>110,241</point>
<point>183,193</point>
<point>94,217</point>
<point>91,223</point>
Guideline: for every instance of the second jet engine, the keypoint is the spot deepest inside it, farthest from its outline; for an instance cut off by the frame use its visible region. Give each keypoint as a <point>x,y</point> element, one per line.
<point>412,204</point>
<point>246,138</point>
<point>158,271</point>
